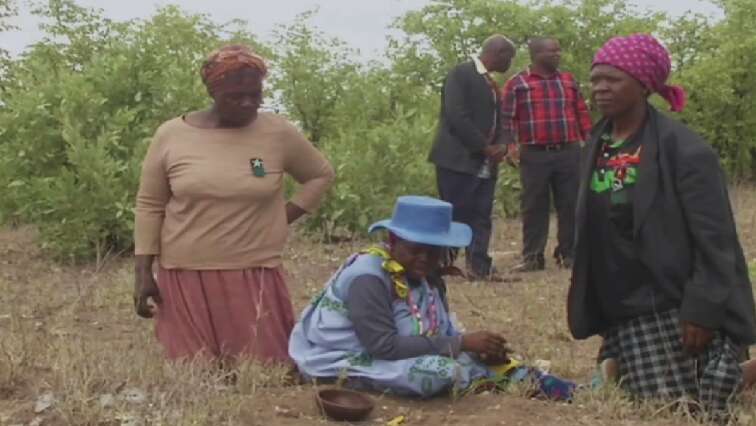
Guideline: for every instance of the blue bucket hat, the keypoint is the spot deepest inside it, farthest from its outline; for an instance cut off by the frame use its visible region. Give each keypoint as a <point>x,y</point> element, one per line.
<point>425,220</point>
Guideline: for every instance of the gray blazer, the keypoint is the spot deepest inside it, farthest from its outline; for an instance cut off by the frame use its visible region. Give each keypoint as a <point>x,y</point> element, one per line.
<point>468,107</point>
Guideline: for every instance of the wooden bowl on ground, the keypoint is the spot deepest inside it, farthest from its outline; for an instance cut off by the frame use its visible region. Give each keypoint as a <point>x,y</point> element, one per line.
<point>344,405</point>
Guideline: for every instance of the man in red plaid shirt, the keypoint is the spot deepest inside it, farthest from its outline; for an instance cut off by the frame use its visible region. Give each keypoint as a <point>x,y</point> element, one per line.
<point>545,113</point>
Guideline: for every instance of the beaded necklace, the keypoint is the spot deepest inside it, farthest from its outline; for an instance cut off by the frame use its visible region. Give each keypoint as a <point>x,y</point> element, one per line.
<point>615,166</point>
<point>415,310</point>
<point>397,274</point>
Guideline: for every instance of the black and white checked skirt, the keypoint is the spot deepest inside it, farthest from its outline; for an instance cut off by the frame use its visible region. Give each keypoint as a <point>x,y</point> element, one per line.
<point>652,363</point>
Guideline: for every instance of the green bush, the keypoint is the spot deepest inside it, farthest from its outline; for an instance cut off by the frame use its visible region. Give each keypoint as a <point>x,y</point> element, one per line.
<point>374,166</point>
<point>78,109</point>
<point>77,120</point>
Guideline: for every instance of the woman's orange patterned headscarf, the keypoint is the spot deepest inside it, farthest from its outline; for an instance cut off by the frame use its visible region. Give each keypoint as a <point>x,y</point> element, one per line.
<point>229,59</point>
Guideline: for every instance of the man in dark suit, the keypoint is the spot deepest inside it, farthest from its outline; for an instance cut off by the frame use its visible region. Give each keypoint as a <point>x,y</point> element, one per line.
<point>469,146</point>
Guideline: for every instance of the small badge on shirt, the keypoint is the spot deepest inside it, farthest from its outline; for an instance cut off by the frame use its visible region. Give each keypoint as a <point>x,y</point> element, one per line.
<point>618,185</point>
<point>258,167</point>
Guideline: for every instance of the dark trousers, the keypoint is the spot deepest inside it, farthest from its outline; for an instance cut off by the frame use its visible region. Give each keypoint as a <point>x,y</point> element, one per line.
<point>472,198</point>
<point>543,174</point>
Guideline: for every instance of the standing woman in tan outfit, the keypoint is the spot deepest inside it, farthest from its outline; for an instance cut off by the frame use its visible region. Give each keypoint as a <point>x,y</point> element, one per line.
<point>211,208</point>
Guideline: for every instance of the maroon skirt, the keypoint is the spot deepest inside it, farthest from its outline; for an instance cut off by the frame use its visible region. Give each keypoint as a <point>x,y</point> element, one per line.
<point>219,314</point>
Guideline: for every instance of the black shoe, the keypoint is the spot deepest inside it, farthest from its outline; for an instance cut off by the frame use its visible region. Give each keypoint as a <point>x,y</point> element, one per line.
<point>564,262</point>
<point>492,276</point>
<point>530,265</point>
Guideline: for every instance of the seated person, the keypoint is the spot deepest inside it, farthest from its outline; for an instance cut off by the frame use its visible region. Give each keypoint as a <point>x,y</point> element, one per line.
<point>384,323</point>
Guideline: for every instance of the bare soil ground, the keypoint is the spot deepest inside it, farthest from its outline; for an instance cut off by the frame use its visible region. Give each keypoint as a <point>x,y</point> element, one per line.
<point>72,352</point>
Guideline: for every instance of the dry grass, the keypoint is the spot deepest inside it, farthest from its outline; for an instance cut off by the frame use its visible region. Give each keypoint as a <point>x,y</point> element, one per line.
<point>68,334</point>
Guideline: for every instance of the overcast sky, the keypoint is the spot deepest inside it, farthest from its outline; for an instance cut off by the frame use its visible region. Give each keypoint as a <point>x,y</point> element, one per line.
<point>362,23</point>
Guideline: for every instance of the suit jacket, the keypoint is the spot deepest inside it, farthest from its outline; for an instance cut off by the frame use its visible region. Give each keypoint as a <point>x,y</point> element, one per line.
<point>468,107</point>
<point>684,233</point>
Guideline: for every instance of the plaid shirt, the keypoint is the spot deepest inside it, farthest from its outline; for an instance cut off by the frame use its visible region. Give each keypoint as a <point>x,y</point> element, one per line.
<point>544,110</point>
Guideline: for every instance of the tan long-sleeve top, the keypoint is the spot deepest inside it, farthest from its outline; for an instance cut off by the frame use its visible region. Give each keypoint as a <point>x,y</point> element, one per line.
<point>200,204</point>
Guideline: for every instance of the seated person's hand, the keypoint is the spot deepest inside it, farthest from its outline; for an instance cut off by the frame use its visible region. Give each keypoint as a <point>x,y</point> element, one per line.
<point>497,359</point>
<point>501,356</point>
<point>486,343</point>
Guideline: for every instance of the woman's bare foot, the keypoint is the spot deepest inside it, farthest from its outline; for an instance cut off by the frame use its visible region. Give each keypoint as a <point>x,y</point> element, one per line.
<point>749,373</point>
<point>609,370</point>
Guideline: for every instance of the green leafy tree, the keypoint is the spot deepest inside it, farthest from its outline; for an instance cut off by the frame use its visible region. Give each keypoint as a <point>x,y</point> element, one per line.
<point>311,75</point>
<point>446,32</point>
<point>718,76</point>
<point>360,118</point>
<point>8,10</point>
<point>71,146</point>
<point>79,108</point>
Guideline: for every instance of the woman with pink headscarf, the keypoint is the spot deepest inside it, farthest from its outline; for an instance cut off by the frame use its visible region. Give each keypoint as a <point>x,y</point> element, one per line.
<point>659,272</point>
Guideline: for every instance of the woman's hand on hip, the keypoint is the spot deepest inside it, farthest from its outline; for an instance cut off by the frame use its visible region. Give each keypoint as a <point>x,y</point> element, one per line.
<point>293,212</point>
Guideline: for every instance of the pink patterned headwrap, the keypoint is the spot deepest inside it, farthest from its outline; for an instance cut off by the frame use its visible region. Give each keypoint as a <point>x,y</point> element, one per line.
<point>644,58</point>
